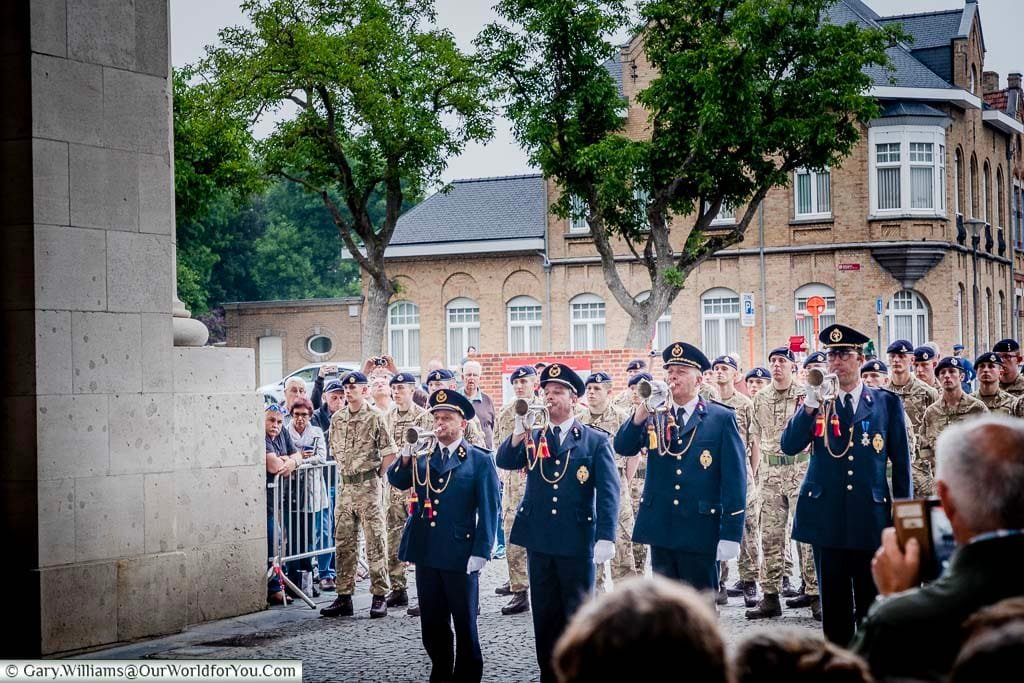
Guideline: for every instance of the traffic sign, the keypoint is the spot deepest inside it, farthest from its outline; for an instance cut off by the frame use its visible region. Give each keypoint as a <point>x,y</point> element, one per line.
<point>815,306</point>
<point>878,306</point>
<point>747,309</point>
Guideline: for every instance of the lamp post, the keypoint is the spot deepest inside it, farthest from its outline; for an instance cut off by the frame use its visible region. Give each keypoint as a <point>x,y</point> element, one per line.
<point>976,225</point>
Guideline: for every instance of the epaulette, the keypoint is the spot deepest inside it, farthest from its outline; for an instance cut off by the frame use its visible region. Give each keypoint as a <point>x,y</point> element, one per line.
<point>724,405</point>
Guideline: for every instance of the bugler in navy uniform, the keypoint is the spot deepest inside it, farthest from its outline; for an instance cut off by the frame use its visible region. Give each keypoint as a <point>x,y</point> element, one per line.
<point>844,502</point>
<point>692,509</point>
<point>567,517</point>
<point>453,508</point>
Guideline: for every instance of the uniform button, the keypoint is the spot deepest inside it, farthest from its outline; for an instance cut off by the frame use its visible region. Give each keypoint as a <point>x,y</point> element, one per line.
<point>521,509</point>
<point>675,502</point>
<point>712,510</point>
<point>441,480</point>
<point>679,440</point>
<point>554,499</point>
<point>679,457</point>
<point>467,535</point>
<point>554,486</point>
<point>641,499</point>
<point>849,473</point>
<point>850,458</point>
<point>433,524</point>
<point>554,512</point>
<point>435,501</point>
<point>679,471</point>
<point>558,462</point>
<point>849,487</point>
<point>590,519</point>
<point>678,487</point>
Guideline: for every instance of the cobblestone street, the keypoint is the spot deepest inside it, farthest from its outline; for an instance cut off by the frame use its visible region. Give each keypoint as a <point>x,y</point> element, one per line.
<point>360,649</point>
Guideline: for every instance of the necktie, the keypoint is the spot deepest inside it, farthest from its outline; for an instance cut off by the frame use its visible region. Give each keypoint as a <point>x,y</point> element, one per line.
<point>444,455</point>
<point>681,417</point>
<point>846,411</point>
<point>557,431</point>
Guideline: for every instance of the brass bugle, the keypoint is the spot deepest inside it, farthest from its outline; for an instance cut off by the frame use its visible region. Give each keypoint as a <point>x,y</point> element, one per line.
<point>654,394</point>
<point>826,384</point>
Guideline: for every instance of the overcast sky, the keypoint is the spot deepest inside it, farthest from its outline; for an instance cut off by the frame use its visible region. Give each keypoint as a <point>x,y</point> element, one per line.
<point>194,24</point>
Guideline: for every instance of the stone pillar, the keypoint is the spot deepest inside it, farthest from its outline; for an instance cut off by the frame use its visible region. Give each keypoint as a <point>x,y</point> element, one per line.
<point>132,482</point>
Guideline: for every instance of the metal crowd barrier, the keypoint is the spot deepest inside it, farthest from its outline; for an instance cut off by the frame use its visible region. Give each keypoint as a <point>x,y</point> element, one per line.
<point>298,499</point>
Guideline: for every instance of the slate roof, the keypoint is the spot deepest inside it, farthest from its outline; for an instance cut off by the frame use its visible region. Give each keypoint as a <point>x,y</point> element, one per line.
<point>614,67</point>
<point>928,29</point>
<point>901,108</point>
<point>507,207</point>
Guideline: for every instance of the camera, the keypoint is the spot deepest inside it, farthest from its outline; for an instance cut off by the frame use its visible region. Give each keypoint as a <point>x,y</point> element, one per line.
<point>925,520</point>
<point>380,362</point>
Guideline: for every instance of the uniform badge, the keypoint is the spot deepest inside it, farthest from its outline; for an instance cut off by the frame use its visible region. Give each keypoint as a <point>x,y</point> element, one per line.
<point>555,371</point>
<point>705,459</point>
<point>864,439</point>
<point>582,474</point>
<point>462,453</point>
<point>836,335</point>
<point>441,397</point>
<point>677,351</point>
<point>878,442</point>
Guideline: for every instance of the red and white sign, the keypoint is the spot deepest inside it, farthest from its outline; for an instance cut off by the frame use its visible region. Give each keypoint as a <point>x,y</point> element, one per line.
<point>844,267</point>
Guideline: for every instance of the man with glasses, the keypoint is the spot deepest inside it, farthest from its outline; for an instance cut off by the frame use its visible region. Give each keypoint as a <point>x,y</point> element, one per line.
<point>1010,379</point>
<point>780,476</point>
<point>954,406</point>
<point>844,501</point>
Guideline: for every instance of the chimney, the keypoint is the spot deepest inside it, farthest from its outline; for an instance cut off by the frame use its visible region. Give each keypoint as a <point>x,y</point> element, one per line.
<point>989,82</point>
<point>1013,81</point>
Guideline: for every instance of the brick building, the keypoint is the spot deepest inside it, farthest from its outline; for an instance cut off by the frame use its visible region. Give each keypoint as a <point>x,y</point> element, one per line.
<point>485,264</point>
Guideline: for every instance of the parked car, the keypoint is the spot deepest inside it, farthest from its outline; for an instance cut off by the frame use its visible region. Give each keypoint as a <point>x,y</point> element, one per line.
<point>274,393</point>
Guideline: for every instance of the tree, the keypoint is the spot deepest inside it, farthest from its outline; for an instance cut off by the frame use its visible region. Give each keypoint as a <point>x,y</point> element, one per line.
<point>381,99</point>
<point>746,92</point>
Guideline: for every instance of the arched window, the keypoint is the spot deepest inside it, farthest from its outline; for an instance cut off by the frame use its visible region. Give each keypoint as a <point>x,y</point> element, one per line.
<point>1000,307</point>
<point>463,316</point>
<point>525,318</point>
<point>958,181</point>
<point>974,80</point>
<point>804,322</point>
<point>720,321</point>
<point>907,317</point>
<point>586,313</point>
<point>986,193</point>
<point>404,335</point>
<point>1000,198</point>
<point>662,333</point>
<point>961,312</point>
<point>972,189</point>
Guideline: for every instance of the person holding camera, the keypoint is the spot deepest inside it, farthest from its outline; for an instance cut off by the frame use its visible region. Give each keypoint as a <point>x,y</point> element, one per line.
<point>844,501</point>
<point>914,632</point>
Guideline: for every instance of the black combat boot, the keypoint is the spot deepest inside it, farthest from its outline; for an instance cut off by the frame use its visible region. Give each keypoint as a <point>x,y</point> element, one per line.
<point>723,596</point>
<point>816,607</point>
<point>397,598</point>
<point>766,609</point>
<point>787,589</point>
<point>750,593</point>
<point>341,607</point>
<point>802,600</point>
<point>503,589</point>
<point>379,607</point>
<point>736,590</point>
<point>520,603</point>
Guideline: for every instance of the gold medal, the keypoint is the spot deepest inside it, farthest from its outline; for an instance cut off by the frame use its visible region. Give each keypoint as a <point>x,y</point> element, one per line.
<point>582,474</point>
<point>878,442</point>
<point>705,459</point>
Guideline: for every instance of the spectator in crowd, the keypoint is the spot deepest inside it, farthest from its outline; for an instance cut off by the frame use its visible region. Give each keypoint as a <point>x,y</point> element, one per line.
<point>993,656</point>
<point>324,376</point>
<point>915,632</point>
<point>334,400</point>
<point>282,459</point>
<point>796,656</point>
<point>739,385</point>
<point>294,389</point>
<point>482,403</point>
<point>313,498</point>
<point>380,391</point>
<point>645,627</point>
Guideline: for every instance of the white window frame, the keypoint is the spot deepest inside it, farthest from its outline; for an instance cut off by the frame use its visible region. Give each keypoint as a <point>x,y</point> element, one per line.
<point>904,136</point>
<point>815,178</point>
<point>961,302</point>
<point>469,329</point>
<point>1000,199</point>
<point>918,312</point>
<point>591,304</point>
<point>404,319</point>
<point>1000,306</point>
<point>958,170</point>
<point>726,215</point>
<point>803,323</point>
<point>722,296</point>
<point>987,319</point>
<point>517,308</point>
<point>578,215</point>
<point>986,182</point>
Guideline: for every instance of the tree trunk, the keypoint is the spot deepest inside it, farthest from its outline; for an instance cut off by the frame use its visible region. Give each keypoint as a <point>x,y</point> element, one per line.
<point>375,314</point>
<point>640,332</point>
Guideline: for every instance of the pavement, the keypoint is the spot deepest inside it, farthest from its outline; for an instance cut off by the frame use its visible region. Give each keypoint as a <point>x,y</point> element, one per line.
<point>389,649</point>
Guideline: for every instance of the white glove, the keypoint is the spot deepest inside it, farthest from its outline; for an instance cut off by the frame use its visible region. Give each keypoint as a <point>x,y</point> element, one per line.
<point>603,551</point>
<point>475,564</point>
<point>520,426</point>
<point>728,550</point>
<point>530,419</point>
<point>811,399</point>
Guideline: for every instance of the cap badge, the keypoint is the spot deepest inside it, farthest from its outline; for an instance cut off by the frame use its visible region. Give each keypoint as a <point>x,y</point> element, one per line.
<point>441,397</point>
<point>555,371</point>
<point>351,379</point>
<point>925,355</point>
<point>836,335</point>
<point>677,351</point>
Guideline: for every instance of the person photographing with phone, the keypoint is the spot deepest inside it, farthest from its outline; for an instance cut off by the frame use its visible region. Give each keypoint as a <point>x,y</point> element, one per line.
<point>914,632</point>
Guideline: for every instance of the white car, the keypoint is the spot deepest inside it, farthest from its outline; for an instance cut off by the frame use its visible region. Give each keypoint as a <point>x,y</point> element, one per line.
<point>274,393</point>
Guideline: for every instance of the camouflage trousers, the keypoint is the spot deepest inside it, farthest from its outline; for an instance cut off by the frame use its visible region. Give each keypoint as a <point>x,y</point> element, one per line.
<point>623,564</point>
<point>360,504</point>
<point>922,472</point>
<point>515,555</point>
<point>396,511</point>
<point>780,487</point>
<point>749,562</point>
<point>636,490</point>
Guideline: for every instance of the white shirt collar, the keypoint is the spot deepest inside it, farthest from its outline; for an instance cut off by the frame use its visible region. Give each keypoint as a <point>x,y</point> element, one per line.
<point>565,427</point>
<point>855,395</point>
<point>689,406</point>
<point>451,448</point>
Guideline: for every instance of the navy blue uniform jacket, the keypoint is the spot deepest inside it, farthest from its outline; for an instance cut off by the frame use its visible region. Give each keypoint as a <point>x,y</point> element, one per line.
<point>845,502</point>
<point>567,517</point>
<point>686,505</point>
<point>466,512</point>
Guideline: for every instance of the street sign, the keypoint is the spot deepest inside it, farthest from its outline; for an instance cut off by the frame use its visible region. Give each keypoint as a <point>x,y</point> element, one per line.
<point>878,306</point>
<point>747,309</point>
<point>815,306</point>
<point>846,267</point>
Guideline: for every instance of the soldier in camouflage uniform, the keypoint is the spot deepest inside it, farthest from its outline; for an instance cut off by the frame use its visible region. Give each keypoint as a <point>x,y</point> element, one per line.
<point>925,360</point>
<point>363,448</point>
<point>988,367</point>
<point>524,384</point>
<point>953,406</point>
<point>756,379</point>
<point>916,395</point>
<point>726,369</point>
<point>1010,379</point>
<point>780,478</point>
<point>636,483</point>
<point>601,414</point>
<point>403,415</point>
<point>624,399</point>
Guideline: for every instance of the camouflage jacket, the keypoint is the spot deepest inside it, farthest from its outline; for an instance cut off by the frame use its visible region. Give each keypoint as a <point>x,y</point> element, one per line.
<point>1016,387</point>
<point>398,422</point>
<point>938,416</point>
<point>744,408</point>
<point>917,396</point>
<point>770,413</point>
<point>610,421</point>
<point>360,441</point>
<point>1000,402</point>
